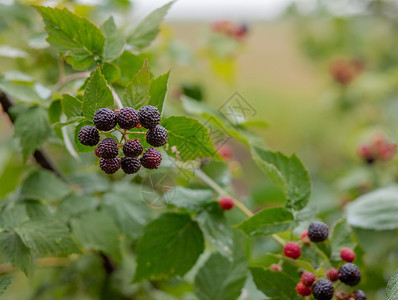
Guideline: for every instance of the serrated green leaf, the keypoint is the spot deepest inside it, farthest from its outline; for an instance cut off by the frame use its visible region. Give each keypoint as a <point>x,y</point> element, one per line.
<point>158,91</point>
<point>12,217</point>
<point>32,128</point>
<point>268,221</point>
<point>392,288</point>
<point>78,204</point>
<point>288,173</point>
<point>136,94</point>
<point>129,65</point>
<point>71,106</point>
<point>341,236</point>
<point>5,282</point>
<point>190,199</point>
<point>13,250</point>
<point>169,247</point>
<point>148,29</point>
<point>36,209</point>
<point>80,41</point>
<point>79,146</point>
<point>188,139</point>
<point>97,95</point>
<point>114,42</point>
<point>111,72</point>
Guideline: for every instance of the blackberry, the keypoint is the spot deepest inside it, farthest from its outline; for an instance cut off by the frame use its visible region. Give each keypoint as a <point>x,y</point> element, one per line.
<point>127,118</point>
<point>132,148</point>
<point>110,166</point>
<point>151,159</point>
<point>349,274</point>
<point>323,290</point>
<point>359,295</point>
<point>104,119</point>
<point>157,136</point>
<point>89,136</point>
<point>149,116</point>
<point>107,148</point>
<point>318,232</point>
<point>130,165</point>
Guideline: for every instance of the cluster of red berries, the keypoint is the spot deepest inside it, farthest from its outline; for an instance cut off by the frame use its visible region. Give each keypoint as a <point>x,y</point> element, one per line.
<point>106,120</point>
<point>323,288</point>
<point>234,30</point>
<point>344,71</point>
<point>379,148</point>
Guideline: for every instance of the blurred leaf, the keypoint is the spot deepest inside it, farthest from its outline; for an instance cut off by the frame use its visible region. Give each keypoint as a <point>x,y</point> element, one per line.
<point>136,94</point>
<point>36,209</point>
<point>5,282</point>
<point>129,65</point>
<point>173,252</point>
<point>111,72</point>
<point>218,171</point>
<point>78,204</point>
<point>10,177</point>
<point>392,288</point>
<point>114,43</point>
<point>12,217</point>
<point>79,146</point>
<point>55,111</point>
<point>71,106</point>
<point>158,91</point>
<point>13,250</point>
<point>189,199</point>
<point>19,91</point>
<point>341,236</point>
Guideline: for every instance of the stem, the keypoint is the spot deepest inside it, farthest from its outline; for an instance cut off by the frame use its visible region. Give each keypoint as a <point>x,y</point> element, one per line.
<point>68,78</point>
<point>118,102</point>
<point>136,132</point>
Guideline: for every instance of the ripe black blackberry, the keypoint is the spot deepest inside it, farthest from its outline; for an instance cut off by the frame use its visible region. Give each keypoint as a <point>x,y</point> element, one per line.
<point>157,136</point>
<point>107,148</point>
<point>130,165</point>
<point>110,166</point>
<point>323,290</point>
<point>318,232</point>
<point>359,295</point>
<point>151,159</point>
<point>104,119</point>
<point>149,116</point>
<point>349,274</point>
<point>132,148</point>
<point>89,136</point>
<point>127,118</point>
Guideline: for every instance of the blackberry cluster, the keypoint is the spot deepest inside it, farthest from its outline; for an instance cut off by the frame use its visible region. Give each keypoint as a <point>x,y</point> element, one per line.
<point>108,149</point>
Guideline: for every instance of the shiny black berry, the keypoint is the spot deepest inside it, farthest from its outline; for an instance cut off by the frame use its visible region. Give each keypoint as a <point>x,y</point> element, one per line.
<point>318,232</point>
<point>151,159</point>
<point>127,118</point>
<point>157,136</point>
<point>104,119</point>
<point>110,166</point>
<point>130,165</point>
<point>349,274</point>
<point>323,290</point>
<point>89,136</point>
<point>359,295</point>
<point>149,116</point>
<point>107,148</point>
<point>132,148</point>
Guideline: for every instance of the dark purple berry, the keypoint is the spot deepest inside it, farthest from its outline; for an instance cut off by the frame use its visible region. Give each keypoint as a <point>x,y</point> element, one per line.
<point>149,116</point>
<point>107,148</point>
<point>130,165</point>
<point>323,290</point>
<point>157,136</point>
<point>89,136</point>
<point>349,274</point>
<point>151,159</point>
<point>318,232</point>
<point>359,295</point>
<point>105,119</point>
<point>132,148</point>
<point>110,166</point>
<point>127,118</point>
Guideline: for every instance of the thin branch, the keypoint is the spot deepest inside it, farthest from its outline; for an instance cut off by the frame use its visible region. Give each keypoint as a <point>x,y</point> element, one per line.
<point>68,78</point>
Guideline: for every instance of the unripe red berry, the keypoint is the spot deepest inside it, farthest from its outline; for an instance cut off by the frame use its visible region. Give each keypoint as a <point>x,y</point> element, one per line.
<point>303,290</point>
<point>276,268</point>
<point>226,203</point>
<point>305,238</point>
<point>347,254</point>
<point>292,250</point>
<point>307,278</point>
<point>332,274</point>
<point>225,152</point>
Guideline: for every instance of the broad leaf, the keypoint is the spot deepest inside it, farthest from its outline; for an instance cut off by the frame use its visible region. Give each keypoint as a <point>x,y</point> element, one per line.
<point>5,282</point>
<point>13,250</point>
<point>158,91</point>
<point>71,106</point>
<point>341,236</point>
<point>170,247</point>
<point>189,199</point>
<point>12,217</point>
<point>114,43</point>
<point>136,94</point>
<point>20,91</point>
<point>188,139</point>
<point>268,221</point>
<point>288,173</point>
<point>129,65</point>
<point>392,288</point>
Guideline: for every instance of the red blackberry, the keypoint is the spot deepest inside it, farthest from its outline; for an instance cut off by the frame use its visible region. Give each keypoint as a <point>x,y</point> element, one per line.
<point>151,159</point>
<point>132,148</point>
<point>292,250</point>
<point>130,165</point>
<point>307,278</point>
<point>323,290</point>
<point>318,232</point>
<point>304,237</point>
<point>226,203</point>
<point>107,148</point>
<point>157,136</point>
<point>347,254</point>
<point>127,118</point>
<point>89,136</point>
<point>110,166</point>
<point>149,116</point>
<point>349,274</point>
<point>276,268</point>
<point>105,119</point>
<point>332,274</point>
<point>302,289</point>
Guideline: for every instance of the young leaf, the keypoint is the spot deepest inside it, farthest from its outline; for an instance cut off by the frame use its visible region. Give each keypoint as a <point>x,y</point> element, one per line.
<point>96,95</point>
<point>5,282</point>
<point>148,29</point>
<point>158,91</point>
<point>32,128</point>
<point>136,94</point>
<point>392,288</point>
<point>71,106</point>
<point>129,64</point>
<point>268,221</point>
<point>13,250</point>
<point>341,236</point>
<point>114,43</point>
<point>288,173</point>
<point>169,247</point>
<point>188,139</point>
<point>77,38</point>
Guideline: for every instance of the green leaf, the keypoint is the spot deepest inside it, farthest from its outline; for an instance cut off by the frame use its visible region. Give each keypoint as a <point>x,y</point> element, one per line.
<point>341,236</point>
<point>158,91</point>
<point>10,177</point>
<point>71,106</point>
<point>268,221</point>
<point>32,128</point>
<point>5,282</point>
<point>12,217</point>
<point>148,28</point>
<point>79,146</point>
<point>36,209</point>
<point>376,210</point>
<point>97,231</point>
<point>111,72</point>
<point>221,279</point>
<point>20,91</point>
<point>44,185</point>
<point>55,111</point>
<point>188,139</point>
<point>13,250</point>
<point>392,288</point>
<point>96,95</point>
<point>77,204</point>
<point>288,173</point>
<point>80,41</point>
<point>170,247</point>
<point>276,285</point>
<point>114,42</point>
<point>129,65</point>
<point>189,199</point>
<point>47,236</point>
<point>136,94</point>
